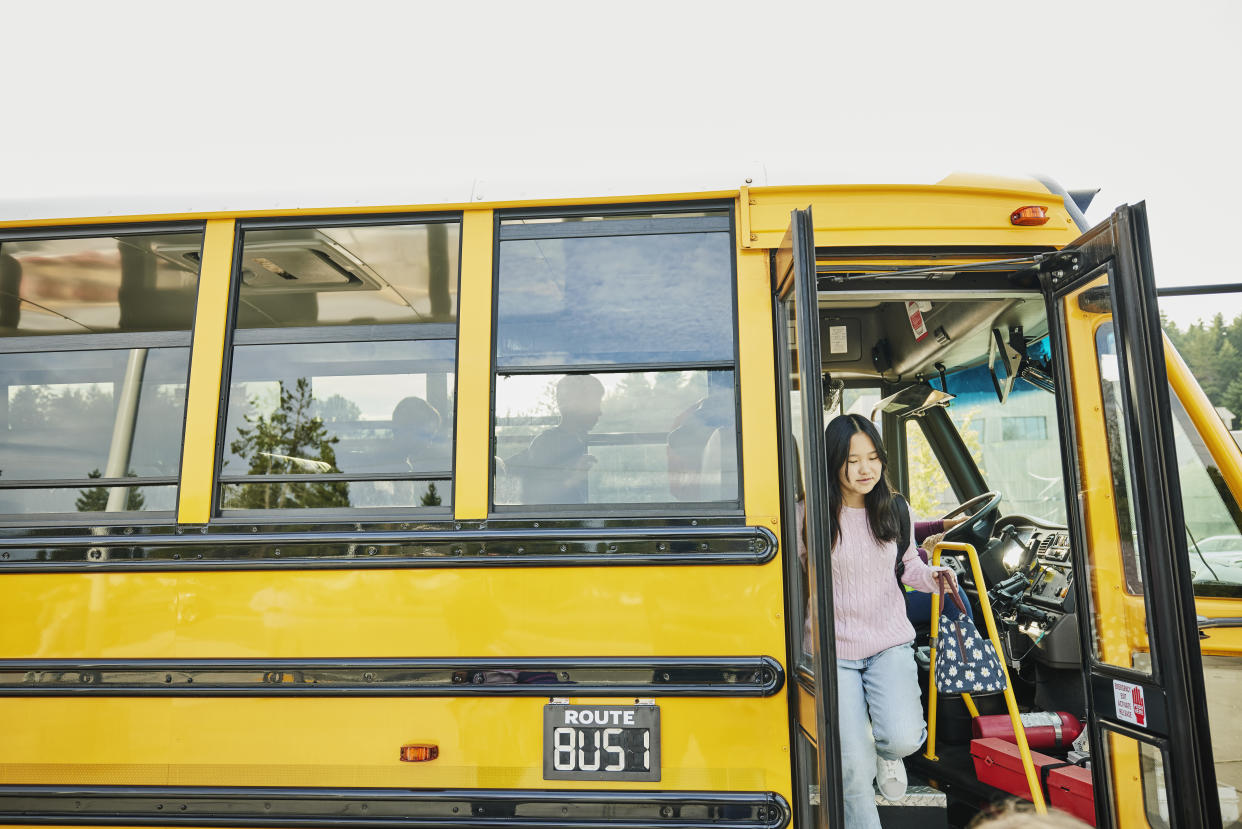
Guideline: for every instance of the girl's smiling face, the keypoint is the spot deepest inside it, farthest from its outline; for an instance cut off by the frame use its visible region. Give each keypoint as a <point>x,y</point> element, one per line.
<point>861,471</point>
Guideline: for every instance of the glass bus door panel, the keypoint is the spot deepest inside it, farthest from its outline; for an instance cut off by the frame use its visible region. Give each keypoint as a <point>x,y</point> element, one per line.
<point>1140,795</point>
<point>1222,676</point>
<point>818,784</point>
<point>1144,679</point>
<point>1119,624</point>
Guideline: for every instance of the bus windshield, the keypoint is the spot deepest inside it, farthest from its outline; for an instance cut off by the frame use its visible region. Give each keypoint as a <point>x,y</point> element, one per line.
<point>1015,444</point>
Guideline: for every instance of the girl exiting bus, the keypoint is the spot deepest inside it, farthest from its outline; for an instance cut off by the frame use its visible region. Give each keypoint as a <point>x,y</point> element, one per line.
<point>879,713</point>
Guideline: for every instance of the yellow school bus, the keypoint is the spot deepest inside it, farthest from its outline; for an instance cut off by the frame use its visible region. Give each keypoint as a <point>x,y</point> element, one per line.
<point>475,513</point>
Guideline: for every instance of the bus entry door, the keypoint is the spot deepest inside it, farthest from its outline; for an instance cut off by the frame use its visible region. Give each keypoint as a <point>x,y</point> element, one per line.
<point>817,785</point>
<point>1150,741</point>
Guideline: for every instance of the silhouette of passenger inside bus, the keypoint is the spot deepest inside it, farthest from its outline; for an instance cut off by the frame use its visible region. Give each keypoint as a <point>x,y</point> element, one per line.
<point>417,444</point>
<point>555,468</point>
<point>690,475</point>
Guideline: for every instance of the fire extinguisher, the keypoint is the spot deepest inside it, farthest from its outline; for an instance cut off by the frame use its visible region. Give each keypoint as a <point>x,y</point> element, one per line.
<point>1044,729</point>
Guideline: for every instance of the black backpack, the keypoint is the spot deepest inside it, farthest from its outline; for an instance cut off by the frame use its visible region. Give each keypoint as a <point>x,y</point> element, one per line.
<point>899,506</point>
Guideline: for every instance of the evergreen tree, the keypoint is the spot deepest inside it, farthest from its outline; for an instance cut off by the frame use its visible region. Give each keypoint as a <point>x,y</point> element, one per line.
<point>95,499</point>
<point>291,440</point>
<point>431,498</point>
<point>1213,352</point>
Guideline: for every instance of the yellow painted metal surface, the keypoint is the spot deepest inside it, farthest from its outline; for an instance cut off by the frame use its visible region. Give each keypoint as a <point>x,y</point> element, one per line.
<point>564,611</point>
<point>1125,762</point>
<point>474,366</point>
<point>896,215</point>
<point>211,316</point>
<point>960,210</point>
<point>350,742</point>
<point>395,613</point>
<point>757,381</point>
<point>484,742</point>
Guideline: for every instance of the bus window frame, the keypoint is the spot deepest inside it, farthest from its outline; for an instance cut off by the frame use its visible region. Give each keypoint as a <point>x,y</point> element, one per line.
<point>35,524</point>
<point>605,226</point>
<point>310,518</point>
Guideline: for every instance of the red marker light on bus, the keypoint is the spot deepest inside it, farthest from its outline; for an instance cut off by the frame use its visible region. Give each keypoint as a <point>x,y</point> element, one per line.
<point>419,752</point>
<point>1030,216</point>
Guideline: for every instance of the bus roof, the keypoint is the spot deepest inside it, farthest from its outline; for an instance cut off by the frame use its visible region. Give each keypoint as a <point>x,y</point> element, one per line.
<point>959,210</point>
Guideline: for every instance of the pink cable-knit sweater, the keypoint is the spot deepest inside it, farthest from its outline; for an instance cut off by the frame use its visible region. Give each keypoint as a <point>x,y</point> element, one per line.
<point>867,602</point>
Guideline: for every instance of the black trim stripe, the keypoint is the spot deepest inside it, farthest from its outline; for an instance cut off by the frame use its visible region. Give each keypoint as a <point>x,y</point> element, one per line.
<point>209,806</point>
<point>754,676</point>
<point>342,548</point>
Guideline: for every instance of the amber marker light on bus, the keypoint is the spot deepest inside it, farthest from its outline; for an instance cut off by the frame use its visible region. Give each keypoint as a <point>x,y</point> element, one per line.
<point>419,752</point>
<point>1030,216</point>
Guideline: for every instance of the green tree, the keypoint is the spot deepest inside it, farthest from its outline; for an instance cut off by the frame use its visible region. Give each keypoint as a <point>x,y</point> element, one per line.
<point>290,440</point>
<point>95,499</point>
<point>431,498</point>
<point>930,492</point>
<point>1213,352</point>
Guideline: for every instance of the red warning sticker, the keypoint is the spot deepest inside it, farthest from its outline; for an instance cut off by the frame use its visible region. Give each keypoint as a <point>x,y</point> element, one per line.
<point>916,320</point>
<point>1129,700</point>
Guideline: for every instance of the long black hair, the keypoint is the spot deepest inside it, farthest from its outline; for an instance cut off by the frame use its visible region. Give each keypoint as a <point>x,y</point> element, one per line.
<point>879,501</point>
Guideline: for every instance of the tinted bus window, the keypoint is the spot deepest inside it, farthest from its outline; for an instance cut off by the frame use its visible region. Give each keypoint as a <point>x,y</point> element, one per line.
<point>95,332</point>
<point>656,437</point>
<point>342,385</point>
<point>615,299</point>
<point>644,305</point>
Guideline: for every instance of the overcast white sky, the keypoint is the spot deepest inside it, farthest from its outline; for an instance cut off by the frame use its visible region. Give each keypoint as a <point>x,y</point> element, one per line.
<point>184,103</point>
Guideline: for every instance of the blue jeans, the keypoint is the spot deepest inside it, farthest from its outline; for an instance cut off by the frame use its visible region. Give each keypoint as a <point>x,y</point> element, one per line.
<point>881,691</point>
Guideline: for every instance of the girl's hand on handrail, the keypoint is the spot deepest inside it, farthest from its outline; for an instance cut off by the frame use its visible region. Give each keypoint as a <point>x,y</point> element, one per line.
<point>945,578</point>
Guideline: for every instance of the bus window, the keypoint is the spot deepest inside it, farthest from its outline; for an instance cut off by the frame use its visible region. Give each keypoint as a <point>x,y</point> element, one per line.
<point>341,389</point>
<point>1128,761</point>
<point>1119,442</point>
<point>1213,531</point>
<point>643,289</point>
<point>1015,444</point>
<point>95,332</point>
<point>607,391</point>
<point>930,490</point>
<point>657,437</point>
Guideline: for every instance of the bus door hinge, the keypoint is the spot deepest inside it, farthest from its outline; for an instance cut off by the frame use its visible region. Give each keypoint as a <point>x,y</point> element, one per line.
<point>1060,266</point>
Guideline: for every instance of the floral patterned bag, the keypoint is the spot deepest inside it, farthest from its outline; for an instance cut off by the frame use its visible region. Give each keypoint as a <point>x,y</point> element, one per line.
<point>966,663</point>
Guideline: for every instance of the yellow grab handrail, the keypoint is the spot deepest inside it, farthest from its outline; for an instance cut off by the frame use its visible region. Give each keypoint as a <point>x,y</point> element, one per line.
<point>1032,779</point>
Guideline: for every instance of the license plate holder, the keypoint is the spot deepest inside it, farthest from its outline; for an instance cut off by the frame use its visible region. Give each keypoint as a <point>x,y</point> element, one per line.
<point>601,742</point>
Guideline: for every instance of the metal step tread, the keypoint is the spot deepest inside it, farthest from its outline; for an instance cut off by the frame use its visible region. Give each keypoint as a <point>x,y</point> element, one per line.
<point>922,796</point>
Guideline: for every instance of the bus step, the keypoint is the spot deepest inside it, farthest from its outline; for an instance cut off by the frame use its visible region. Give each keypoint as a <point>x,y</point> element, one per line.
<point>921,808</point>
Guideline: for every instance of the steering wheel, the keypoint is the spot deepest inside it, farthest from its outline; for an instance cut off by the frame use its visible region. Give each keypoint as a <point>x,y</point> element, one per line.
<point>982,512</point>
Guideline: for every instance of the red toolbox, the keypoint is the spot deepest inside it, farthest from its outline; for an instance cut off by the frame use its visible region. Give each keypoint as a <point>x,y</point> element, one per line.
<point>1069,789</point>
<point>998,763</point>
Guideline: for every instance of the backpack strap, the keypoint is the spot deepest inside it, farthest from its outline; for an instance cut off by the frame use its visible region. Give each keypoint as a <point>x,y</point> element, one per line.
<point>902,514</point>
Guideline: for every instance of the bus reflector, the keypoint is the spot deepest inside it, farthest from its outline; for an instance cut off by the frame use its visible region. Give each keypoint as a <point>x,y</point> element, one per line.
<point>419,752</point>
<point>1030,216</point>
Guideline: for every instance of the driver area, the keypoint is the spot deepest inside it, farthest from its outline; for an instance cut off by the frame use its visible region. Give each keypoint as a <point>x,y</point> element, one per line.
<point>960,393</point>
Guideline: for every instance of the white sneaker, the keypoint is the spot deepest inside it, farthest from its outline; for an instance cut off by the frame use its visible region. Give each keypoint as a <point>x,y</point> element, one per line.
<point>890,777</point>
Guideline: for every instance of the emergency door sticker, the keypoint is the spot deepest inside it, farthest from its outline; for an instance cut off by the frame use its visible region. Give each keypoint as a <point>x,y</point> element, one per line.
<point>1129,700</point>
<point>915,311</point>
